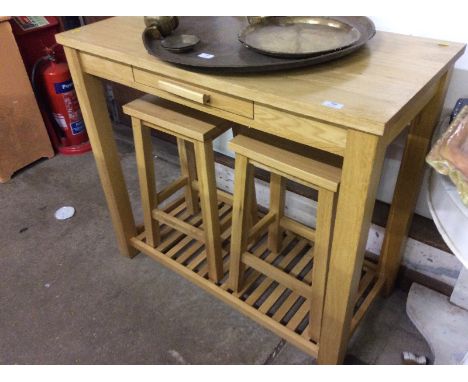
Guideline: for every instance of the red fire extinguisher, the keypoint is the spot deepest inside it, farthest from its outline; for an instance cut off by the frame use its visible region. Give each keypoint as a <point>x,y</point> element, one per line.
<point>63,104</point>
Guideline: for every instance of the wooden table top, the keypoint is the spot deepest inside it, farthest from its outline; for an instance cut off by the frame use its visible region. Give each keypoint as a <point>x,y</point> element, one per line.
<point>375,85</point>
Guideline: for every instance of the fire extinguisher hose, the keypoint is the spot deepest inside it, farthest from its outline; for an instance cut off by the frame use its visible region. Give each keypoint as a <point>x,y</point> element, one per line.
<point>37,92</point>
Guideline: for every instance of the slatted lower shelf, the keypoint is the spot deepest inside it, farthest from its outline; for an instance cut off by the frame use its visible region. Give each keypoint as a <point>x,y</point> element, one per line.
<point>272,305</point>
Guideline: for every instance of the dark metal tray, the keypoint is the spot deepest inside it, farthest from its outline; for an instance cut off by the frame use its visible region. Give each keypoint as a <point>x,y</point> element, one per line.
<point>219,49</point>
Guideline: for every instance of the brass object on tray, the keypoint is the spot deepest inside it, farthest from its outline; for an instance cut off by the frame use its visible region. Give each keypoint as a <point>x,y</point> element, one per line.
<point>297,36</point>
<point>160,26</point>
<point>180,43</point>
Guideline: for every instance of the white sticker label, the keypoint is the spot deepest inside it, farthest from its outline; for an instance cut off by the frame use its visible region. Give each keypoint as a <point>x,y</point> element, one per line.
<point>206,55</point>
<point>333,105</point>
<point>60,119</point>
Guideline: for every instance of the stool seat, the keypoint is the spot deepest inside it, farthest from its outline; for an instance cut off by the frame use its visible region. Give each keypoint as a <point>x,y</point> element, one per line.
<point>176,119</point>
<point>287,163</point>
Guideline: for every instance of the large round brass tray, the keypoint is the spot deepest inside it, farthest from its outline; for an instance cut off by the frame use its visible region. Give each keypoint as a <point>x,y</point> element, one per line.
<point>219,49</point>
<point>298,36</point>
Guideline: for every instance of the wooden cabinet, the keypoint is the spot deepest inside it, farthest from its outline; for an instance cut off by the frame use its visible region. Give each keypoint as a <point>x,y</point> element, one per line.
<point>23,136</point>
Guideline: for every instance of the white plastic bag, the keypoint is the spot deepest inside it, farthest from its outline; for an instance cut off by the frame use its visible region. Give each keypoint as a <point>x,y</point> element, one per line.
<point>449,156</point>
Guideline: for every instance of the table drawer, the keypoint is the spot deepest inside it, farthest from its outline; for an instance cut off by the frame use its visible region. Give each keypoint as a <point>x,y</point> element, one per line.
<point>105,68</point>
<point>194,94</point>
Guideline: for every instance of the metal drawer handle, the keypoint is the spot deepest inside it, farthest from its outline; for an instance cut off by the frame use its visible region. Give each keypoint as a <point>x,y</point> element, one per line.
<point>184,92</point>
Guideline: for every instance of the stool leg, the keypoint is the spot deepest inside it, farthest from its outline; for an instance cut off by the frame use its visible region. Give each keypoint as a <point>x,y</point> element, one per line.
<point>209,206</point>
<point>252,195</point>
<point>144,158</point>
<point>323,239</point>
<point>239,129</point>
<point>277,194</point>
<point>189,170</point>
<point>240,221</point>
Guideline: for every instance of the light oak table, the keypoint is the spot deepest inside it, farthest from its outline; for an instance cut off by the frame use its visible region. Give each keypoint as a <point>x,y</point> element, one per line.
<point>354,107</point>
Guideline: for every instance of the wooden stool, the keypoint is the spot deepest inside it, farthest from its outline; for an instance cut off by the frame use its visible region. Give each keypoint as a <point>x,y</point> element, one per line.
<point>195,132</point>
<point>282,164</point>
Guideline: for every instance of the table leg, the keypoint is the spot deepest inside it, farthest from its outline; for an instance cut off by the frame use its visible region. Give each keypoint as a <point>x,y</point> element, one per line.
<point>362,167</point>
<point>93,106</point>
<point>408,185</point>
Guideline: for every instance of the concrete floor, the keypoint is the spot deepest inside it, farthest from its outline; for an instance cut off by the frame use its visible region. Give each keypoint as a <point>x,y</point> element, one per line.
<point>68,297</point>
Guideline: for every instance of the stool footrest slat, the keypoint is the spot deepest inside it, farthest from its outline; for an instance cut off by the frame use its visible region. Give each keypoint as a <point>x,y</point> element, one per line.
<point>175,186</point>
<point>283,278</point>
<point>223,196</point>
<point>298,228</point>
<point>261,226</point>
<point>179,225</point>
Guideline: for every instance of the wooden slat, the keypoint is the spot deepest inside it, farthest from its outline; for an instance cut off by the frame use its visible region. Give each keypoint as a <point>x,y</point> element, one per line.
<point>179,246</point>
<point>276,274</point>
<point>261,249</point>
<point>225,224</point>
<point>173,235</point>
<point>298,228</point>
<point>164,231</point>
<point>224,236</point>
<point>204,269</point>
<point>364,284</point>
<point>176,207</point>
<point>173,205</point>
<point>286,305</point>
<point>271,299</point>
<point>261,226</point>
<point>254,274</point>
<point>266,283</point>
<point>223,196</point>
<point>179,225</point>
<point>169,241</point>
<point>171,189</point>
<point>299,316</point>
<point>293,298</point>
<point>359,315</point>
<point>196,245</point>
<point>369,265</point>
